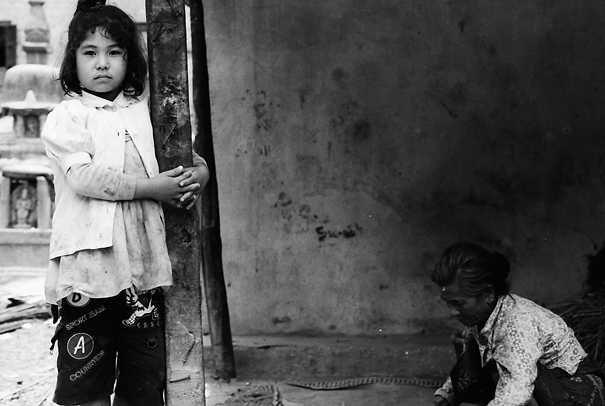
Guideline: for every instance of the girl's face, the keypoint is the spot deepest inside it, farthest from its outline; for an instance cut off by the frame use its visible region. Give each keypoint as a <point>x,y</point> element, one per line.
<point>101,65</point>
<point>468,310</point>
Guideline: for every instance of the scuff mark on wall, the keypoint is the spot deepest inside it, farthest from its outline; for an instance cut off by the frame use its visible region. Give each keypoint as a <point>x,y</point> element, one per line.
<point>299,218</point>
<point>349,232</point>
<point>361,130</point>
<point>281,320</point>
<point>264,111</point>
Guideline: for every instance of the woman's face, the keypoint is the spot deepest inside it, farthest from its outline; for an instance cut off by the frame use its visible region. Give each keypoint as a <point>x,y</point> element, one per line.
<point>468,310</point>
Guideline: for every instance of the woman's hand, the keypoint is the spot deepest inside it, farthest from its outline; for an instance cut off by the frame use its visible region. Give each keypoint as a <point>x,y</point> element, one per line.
<point>439,401</point>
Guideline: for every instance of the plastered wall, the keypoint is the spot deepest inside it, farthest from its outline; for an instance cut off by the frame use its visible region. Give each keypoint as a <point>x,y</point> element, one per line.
<point>356,139</point>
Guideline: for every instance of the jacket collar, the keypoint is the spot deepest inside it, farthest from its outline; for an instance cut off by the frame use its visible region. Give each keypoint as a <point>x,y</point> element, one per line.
<point>505,303</point>
<point>90,100</point>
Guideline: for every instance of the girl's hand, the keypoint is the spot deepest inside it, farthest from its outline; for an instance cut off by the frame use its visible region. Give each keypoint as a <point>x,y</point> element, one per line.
<point>165,187</point>
<point>195,182</point>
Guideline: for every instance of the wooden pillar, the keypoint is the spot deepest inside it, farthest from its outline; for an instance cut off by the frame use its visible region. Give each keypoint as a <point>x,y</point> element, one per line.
<point>214,280</point>
<point>166,38</point>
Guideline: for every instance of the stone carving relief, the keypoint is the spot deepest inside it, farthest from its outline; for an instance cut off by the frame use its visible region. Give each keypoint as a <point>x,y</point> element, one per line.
<point>23,206</point>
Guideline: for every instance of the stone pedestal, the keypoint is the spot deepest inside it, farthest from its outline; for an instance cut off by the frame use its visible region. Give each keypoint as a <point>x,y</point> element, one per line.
<point>29,115</point>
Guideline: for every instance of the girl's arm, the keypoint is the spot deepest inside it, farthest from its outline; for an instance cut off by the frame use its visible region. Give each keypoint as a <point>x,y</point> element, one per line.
<point>97,182</point>
<point>87,179</point>
<point>69,143</point>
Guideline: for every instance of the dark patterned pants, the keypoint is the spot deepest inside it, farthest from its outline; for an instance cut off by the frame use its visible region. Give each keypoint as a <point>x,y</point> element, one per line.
<point>553,387</point>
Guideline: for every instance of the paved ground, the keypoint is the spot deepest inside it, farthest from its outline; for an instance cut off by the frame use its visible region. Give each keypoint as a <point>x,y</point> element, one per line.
<point>365,395</point>
<point>27,379</point>
<point>271,370</point>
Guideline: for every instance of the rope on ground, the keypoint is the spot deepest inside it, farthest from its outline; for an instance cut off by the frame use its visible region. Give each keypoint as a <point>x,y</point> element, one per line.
<point>349,383</point>
<point>268,395</point>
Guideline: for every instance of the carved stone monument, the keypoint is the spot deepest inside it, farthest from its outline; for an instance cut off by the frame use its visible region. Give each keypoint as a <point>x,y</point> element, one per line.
<point>37,34</point>
<point>29,116</point>
<point>26,196</point>
<point>29,92</point>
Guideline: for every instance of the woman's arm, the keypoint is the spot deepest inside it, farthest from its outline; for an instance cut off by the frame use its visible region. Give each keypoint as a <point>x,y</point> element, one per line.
<point>445,396</point>
<point>517,351</point>
<point>439,401</point>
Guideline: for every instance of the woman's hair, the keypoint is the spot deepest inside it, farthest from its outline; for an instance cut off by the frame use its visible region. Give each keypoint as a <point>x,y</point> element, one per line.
<point>473,267</point>
<point>93,15</point>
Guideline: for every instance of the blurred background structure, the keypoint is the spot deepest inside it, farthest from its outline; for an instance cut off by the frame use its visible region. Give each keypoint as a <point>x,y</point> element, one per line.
<point>356,139</point>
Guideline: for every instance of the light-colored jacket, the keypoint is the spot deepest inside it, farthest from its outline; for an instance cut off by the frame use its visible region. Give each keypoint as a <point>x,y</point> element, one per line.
<point>91,130</point>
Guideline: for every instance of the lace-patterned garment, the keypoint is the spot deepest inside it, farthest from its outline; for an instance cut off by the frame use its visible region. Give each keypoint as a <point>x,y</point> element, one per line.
<point>519,334</point>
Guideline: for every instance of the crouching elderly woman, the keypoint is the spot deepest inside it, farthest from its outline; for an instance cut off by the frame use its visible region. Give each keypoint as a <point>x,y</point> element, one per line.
<point>515,351</point>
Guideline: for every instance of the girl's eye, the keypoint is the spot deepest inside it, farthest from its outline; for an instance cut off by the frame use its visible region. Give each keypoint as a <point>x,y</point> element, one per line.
<point>89,53</point>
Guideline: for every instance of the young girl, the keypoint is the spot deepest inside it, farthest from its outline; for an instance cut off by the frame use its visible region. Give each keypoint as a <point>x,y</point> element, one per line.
<point>108,258</point>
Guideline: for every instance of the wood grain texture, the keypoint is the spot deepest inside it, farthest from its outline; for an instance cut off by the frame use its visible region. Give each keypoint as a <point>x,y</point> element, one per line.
<point>172,134</point>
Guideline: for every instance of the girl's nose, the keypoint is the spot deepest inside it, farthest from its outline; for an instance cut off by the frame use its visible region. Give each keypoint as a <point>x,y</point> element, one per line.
<point>102,63</point>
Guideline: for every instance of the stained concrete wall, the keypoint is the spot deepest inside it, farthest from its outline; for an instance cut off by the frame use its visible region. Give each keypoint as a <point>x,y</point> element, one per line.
<point>357,139</point>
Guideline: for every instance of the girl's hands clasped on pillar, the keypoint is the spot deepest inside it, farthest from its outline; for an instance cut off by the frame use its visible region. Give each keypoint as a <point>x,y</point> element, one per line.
<point>179,187</point>
<point>193,184</point>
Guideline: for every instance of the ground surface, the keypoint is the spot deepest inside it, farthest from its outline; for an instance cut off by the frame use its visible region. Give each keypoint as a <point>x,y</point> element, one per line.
<point>27,374</point>
<point>268,369</point>
<point>26,364</point>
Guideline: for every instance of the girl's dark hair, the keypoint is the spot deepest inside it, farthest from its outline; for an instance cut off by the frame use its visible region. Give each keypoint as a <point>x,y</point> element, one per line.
<point>91,16</point>
<point>474,267</point>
